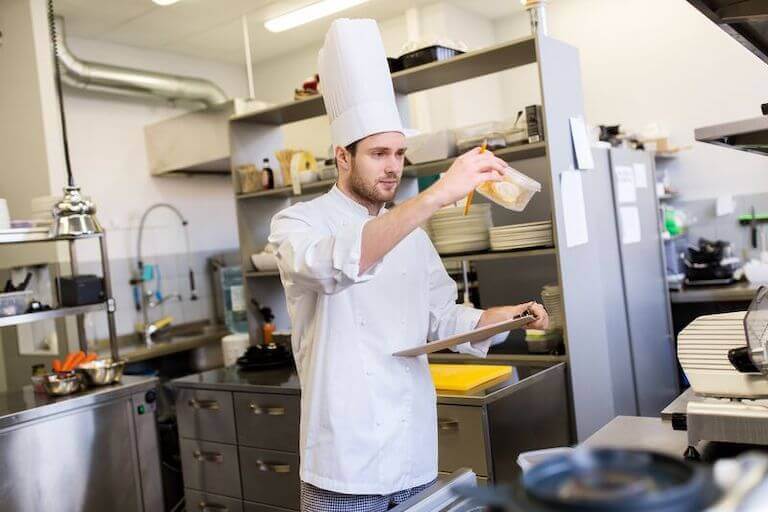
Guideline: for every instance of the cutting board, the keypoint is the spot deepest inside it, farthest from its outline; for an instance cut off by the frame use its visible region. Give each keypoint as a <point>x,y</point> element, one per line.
<point>463,377</point>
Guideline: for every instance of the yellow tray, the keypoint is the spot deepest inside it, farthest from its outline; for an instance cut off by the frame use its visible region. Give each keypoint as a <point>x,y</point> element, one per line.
<point>463,377</point>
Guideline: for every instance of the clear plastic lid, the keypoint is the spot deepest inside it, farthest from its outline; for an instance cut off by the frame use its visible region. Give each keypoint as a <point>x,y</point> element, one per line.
<point>513,192</point>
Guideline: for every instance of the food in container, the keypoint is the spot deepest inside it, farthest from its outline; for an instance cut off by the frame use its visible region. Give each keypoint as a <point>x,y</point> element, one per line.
<point>249,178</point>
<point>61,384</point>
<point>102,371</point>
<point>513,192</point>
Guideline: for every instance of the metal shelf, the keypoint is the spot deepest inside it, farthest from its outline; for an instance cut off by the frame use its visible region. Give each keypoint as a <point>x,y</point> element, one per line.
<point>499,255</point>
<point>257,273</point>
<point>748,135</point>
<point>426,169</point>
<point>26,238</point>
<point>306,189</point>
<point>509,154</point>
<point>435,74</point>
<point>51,313</point>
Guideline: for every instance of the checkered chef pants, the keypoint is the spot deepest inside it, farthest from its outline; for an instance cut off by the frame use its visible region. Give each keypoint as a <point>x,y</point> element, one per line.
<point>314,499</point>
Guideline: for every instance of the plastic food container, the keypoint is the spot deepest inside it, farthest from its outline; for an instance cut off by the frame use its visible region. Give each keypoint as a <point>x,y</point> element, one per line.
<point>473,136</point>
<point>429,147</point>
<point>14,303</point>
<point>513,192</point>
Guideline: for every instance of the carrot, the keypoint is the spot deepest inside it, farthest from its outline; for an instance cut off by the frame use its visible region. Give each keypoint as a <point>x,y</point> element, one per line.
<point>79,358</point>
<point>68,362</point>
<point>56,365</point>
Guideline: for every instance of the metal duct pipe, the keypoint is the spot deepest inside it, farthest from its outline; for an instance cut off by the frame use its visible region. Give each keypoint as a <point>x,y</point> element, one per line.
<point>132,82</point>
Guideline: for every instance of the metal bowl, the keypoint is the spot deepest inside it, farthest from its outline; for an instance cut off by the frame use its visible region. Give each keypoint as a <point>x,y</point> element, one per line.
<point>102,371</point>
<point>61,384</point>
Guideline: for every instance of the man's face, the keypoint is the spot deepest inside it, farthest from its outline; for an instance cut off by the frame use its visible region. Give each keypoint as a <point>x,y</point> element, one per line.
<point>377,166</point>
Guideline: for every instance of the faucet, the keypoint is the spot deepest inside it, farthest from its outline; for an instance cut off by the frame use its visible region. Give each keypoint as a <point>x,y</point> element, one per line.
<point>147,302</point>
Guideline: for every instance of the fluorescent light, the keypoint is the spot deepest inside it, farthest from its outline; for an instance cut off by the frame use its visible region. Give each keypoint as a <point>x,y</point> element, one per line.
<point>165,2</point>
<point>308,13</point>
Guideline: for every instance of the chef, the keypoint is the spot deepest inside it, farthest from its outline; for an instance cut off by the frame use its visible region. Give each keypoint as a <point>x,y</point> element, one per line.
<point>362,282</point>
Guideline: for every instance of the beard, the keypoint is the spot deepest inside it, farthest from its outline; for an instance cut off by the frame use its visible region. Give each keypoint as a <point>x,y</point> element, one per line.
<point>367,190</point>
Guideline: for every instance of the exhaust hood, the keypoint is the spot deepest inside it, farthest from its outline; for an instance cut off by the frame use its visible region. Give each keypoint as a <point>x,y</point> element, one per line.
<point>747,22</point>
<point>196,142</point>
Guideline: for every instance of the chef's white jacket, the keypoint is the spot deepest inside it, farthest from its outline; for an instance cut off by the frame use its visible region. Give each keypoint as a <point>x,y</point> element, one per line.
<point>368,419</point>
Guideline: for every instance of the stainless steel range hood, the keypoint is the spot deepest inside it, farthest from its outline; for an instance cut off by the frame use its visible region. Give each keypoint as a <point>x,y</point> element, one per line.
<point>747,22</point>
<point>747,135</point>
<point>196,142</point>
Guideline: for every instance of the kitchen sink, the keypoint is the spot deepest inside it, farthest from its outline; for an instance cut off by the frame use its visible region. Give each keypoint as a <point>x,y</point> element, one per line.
<point>184,332</point>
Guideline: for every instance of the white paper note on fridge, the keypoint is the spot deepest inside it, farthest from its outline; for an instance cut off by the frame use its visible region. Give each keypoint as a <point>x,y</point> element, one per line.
<point>641,179</point>
<point>625,184</point>
<point>630,224</point>
<point>581,144</point>
<point>574,213</point>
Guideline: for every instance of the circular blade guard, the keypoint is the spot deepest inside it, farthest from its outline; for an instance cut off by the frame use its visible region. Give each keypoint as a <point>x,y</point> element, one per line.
<point>756,330</point>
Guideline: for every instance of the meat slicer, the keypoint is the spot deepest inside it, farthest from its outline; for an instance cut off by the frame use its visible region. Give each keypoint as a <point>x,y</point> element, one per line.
<point>725,357</point>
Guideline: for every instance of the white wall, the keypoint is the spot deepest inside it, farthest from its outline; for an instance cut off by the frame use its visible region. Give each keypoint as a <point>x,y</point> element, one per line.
<point>106,135</point>
<point>647,61</point>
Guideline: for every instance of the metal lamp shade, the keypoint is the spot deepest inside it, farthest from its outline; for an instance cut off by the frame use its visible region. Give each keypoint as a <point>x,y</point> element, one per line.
<point>74,216</point>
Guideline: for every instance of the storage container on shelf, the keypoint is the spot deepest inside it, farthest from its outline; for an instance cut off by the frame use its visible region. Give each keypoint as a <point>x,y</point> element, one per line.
<point>473,136</point>
<point>14,303</point>
<point>235,308</point>
<point>428,147</point>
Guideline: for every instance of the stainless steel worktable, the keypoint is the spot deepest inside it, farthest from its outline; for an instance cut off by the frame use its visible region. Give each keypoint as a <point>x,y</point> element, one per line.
<point>737,292</point>
<point>26,405</point>
<point>94,450</point>
<point>285,381</point>
<point>640,433</point>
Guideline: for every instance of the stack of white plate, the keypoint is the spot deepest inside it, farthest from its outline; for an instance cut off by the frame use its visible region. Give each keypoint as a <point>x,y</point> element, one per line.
<point>550,296</point>
<point>453,232</point>
<point>520,236</point>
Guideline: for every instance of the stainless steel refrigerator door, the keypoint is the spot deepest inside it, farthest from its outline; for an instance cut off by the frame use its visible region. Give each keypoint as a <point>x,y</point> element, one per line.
<point>646,295</point>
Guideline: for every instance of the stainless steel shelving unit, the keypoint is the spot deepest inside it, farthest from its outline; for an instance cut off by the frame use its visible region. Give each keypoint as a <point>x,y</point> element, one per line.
<point>581,271</point>
<point>78,312</point>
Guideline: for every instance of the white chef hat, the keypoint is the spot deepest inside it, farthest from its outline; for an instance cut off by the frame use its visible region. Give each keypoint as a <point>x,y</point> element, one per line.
<point>357,88</point>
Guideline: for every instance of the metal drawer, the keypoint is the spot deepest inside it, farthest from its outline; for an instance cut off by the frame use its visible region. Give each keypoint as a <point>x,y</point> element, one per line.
<point>206,415</point>
<point>270,477</point>
<point>462,439</point>
<point>210,467</point>
<point>267,421</point>
<point>204,502</point>
<point>258,507</point>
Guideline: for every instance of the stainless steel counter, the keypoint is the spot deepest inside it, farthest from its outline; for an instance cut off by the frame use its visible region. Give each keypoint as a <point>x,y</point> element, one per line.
<point>97,450</point>
<point>26,405</point>
<point>742,291</point>
<point>285,381</point>
<point>640,433</point>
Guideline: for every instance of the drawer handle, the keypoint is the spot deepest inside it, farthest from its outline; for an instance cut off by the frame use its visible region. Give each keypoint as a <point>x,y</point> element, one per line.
<point>204,507</point>
<point>211,405</point>
<point>274,468</point>
<point>447,424</point>
<point>208,456</point>
<point>271,411</point>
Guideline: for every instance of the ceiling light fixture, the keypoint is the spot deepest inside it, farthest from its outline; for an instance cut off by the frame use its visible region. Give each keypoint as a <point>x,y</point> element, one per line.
<point>165,2</point>
<point>309,13</point>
